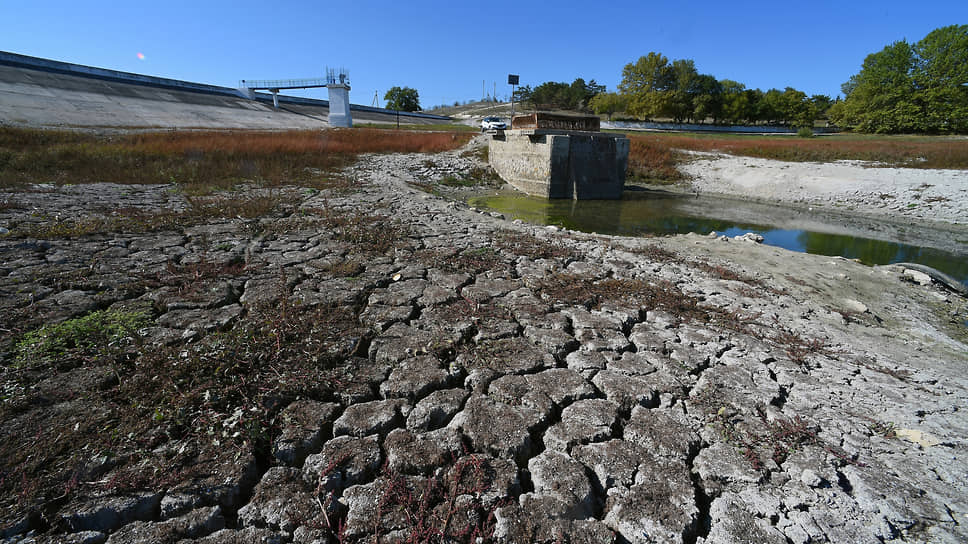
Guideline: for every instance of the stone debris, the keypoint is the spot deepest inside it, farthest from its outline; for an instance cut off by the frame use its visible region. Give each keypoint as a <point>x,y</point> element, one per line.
<point>749,237</point>
<point>471,399</point>
<point>917,276</point>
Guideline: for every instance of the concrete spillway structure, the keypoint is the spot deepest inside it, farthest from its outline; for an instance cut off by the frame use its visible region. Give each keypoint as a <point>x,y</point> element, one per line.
<point>558,156</point>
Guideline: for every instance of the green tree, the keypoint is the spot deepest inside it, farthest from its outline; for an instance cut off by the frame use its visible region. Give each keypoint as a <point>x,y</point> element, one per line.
<point>563,96</point>
<point>796,109</point>
<point>524,94</point>
<point>753,99</point>
<point>769,108</point>
<point>647,84</point>
<point>735,101</point>
<point>879,96</point>
<point>822,103</point>
<point>707,98</point>
<point>608,103</point>
<point>941,75</point>
<point>685,79</point>
<point>910,88</point>
<point>402,99</point>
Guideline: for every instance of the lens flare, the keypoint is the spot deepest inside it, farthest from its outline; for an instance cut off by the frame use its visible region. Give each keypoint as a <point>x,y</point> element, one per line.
<point>141,56</point>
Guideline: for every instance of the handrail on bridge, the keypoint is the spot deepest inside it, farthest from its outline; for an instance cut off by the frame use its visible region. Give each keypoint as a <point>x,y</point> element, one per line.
<point>282,84</point>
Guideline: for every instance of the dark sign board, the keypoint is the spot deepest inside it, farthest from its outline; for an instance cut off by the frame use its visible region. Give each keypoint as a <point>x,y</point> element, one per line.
<point>512,79</point>
<point>550,121</point>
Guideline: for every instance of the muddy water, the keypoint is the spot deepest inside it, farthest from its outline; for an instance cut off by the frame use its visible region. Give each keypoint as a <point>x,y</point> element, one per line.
<point>837,232</point>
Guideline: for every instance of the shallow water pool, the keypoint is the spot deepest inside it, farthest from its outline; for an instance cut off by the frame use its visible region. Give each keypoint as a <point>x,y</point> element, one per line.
<point>821,233</point>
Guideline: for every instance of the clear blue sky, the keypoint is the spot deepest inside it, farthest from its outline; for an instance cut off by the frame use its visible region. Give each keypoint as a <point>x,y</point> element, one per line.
<point>446,49</point>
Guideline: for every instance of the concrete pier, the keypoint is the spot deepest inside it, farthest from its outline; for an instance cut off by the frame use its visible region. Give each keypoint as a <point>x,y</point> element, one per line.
<point>558,156</point>
<point>339,105</point>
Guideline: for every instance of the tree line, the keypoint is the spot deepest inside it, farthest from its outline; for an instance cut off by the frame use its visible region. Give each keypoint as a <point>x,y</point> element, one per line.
<point>653,88</point>
<point>921,87</point>
<point>553,95</point>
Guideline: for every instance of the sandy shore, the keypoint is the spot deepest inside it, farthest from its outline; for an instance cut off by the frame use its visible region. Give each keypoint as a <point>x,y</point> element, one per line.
<point>920,195</point>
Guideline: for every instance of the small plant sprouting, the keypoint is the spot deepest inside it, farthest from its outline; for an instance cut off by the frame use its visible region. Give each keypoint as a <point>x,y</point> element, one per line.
<point>885,429</point>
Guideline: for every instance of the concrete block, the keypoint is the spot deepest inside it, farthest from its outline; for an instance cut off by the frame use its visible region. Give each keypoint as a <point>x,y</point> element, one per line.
<point>561,163</point>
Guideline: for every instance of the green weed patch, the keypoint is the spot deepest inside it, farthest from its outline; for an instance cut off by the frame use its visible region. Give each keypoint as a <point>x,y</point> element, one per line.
<point>98,333</point>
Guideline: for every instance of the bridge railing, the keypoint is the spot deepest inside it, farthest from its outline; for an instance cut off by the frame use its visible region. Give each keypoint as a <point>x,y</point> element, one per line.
<point>282,84</point>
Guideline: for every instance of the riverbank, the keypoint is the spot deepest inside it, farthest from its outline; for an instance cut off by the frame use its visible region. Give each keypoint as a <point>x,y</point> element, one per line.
<point>374,360</point>
<point>923,196</point>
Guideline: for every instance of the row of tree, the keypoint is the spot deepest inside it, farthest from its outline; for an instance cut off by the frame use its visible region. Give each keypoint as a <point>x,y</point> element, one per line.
<point>920,87</point>
<point>559,95</point>
<point>654,88</point>
<point>657,88</point>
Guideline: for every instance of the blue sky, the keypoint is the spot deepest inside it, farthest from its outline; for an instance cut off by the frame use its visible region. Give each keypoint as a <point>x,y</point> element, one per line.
<point>446,49</point>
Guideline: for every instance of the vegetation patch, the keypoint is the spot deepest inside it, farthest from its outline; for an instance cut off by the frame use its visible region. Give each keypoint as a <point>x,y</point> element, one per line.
<point>201,209</point>
<point>200,162</point>
<point>99,333</point>
<point>887,151</point>
<point>472,261</point>
<point>430,127</point>
<point>373,233</point>
<point>662,295</point>
<point>517,243</point>
<point>217,397</point>
<point>652,161</point>
<point>655,253</point>
<point>476,177</point>
<point>762,438</point>
<point>190,281</point>
<point>447,507</point>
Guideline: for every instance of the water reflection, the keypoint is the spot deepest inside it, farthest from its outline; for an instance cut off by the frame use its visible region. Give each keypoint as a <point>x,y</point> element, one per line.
<point>638,214</point>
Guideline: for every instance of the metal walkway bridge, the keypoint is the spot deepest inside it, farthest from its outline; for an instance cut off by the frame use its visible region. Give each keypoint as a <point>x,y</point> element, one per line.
<point>276,85</point>
<point>279,84</point>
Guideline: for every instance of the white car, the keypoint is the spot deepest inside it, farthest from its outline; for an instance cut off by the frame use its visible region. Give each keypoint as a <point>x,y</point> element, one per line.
<point>493,123</point>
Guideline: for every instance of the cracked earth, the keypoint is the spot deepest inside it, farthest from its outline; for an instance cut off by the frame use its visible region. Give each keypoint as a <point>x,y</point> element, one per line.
<point>484,380</point>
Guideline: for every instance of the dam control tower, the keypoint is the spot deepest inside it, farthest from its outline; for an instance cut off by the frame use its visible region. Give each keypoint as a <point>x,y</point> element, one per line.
<point>338,85</point>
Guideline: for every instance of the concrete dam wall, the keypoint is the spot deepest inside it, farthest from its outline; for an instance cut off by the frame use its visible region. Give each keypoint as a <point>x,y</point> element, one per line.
<point>39,92</point>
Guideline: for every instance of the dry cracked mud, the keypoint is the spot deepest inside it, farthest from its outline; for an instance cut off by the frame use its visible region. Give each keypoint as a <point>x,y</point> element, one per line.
<point>381,364</point>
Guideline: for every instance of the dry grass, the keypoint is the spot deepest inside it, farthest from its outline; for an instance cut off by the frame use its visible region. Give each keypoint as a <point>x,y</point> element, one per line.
<point>652,161</point>
<point>662,295</point>
<point>651,155</point>
<point>201,209</point>
<point>201,161</point>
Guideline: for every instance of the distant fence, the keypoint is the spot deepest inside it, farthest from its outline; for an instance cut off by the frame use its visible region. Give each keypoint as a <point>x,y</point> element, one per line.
<point>689,127</point>
<point>47,65</point>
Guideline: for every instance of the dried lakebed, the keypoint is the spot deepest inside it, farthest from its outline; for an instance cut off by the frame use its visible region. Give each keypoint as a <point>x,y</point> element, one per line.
<point>376,363</point>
